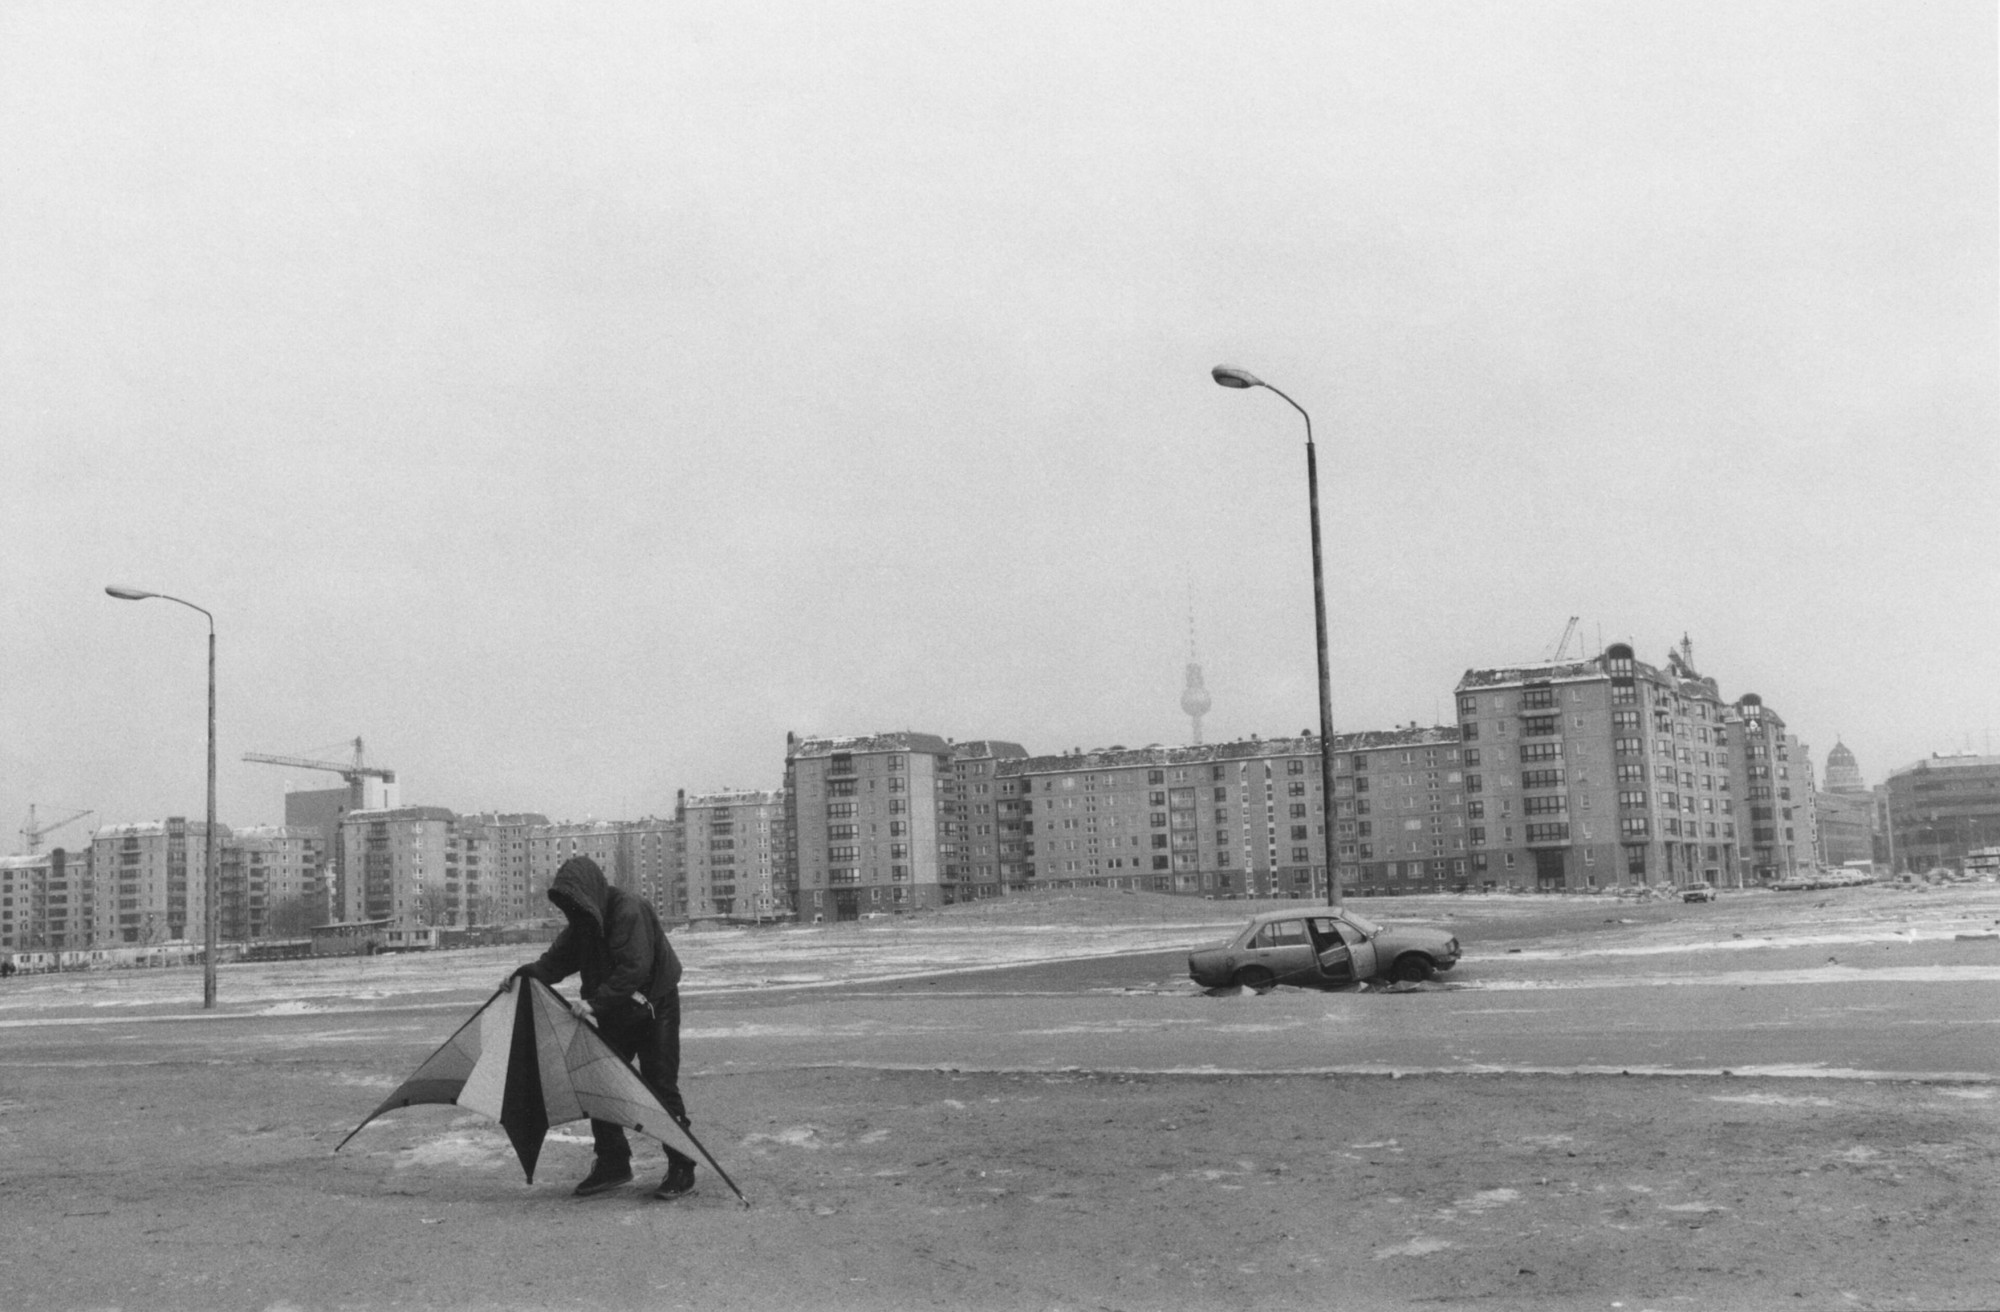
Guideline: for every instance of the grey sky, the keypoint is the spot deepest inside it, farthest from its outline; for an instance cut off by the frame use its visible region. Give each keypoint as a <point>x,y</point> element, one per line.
<point>571,400</point>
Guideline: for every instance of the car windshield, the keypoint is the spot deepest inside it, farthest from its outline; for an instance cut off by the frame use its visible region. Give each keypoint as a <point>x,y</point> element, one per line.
<point>1362,923</point>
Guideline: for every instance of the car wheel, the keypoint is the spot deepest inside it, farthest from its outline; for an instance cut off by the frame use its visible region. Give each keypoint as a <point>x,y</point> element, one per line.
<point>1255,977</point>
<point>1410,968</point>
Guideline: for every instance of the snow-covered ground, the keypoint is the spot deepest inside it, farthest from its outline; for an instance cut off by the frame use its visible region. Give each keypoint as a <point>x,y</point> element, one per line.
<point>716,960</point>
<point>1546,930</point>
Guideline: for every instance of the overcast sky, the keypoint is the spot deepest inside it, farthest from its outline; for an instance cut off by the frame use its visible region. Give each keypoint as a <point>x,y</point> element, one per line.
<point>570,400</point>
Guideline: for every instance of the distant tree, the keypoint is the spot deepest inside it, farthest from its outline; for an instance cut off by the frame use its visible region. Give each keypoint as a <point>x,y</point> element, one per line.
<point>481,909</point>
<point>292,918</point>
<point>434,906</point>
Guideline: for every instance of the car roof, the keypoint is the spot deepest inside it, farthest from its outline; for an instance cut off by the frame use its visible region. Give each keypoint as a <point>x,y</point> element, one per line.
<point>1311,909</point>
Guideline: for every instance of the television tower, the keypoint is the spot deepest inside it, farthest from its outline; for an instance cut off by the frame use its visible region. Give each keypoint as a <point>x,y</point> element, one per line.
<point>1195,700</point>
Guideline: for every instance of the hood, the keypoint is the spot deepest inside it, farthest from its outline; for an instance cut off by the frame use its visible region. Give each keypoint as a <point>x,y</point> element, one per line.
<point>581,884</point>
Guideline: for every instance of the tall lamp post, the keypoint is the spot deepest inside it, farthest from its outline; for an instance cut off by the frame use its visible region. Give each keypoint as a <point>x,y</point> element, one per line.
<point>211,915</point>
<point>1231,376</point>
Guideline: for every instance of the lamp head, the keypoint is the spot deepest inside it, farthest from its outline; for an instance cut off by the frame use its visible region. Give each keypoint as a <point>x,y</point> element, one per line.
<point>1230,376</point>
<point>128,594</point>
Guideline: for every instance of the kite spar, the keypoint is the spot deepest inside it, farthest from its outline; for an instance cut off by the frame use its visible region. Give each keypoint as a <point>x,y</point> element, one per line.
<point>526,1061</point>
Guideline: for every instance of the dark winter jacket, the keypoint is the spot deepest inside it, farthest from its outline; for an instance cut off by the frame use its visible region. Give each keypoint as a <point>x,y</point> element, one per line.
<point>613,939</point>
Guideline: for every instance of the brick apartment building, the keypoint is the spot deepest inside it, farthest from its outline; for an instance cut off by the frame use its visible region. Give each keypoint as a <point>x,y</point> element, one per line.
<point>1598,773</point>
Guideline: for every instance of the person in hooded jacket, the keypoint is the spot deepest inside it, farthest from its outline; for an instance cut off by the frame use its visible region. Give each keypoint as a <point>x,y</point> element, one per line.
<point>631,988</point>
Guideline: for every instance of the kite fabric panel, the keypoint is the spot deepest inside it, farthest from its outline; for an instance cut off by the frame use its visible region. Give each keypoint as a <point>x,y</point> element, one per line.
<point>526,1061</point>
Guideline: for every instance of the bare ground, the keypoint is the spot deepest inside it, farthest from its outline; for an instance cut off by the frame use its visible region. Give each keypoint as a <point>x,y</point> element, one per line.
<point>209,1182</point>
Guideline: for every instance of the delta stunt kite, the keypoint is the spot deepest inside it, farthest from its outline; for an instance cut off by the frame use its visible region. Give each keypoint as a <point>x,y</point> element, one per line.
<point>526,1061</point>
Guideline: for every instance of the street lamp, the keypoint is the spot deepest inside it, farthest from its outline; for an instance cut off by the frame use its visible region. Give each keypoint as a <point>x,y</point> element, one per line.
<point>210,893</point>
<point>1243,379</point>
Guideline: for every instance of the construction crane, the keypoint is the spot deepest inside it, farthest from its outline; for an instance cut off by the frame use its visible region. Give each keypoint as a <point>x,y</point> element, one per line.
<point>1562,643</point>
<point>33,833</point>
<point>354,773</point>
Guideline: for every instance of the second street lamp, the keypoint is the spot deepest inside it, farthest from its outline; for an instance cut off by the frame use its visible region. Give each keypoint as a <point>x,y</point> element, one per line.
<point>1231,376</point>
<point>209,893</point>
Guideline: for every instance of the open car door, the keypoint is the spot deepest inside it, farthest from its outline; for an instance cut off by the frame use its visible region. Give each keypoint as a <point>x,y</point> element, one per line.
<point>1345,954</point>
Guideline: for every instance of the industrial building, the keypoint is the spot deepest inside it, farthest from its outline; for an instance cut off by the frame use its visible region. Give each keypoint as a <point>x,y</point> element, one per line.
<point>1940,809</point>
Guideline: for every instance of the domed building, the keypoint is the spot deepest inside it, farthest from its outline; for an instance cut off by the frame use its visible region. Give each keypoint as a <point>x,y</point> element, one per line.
<point>1843,774</point>
<point>1845,810</point>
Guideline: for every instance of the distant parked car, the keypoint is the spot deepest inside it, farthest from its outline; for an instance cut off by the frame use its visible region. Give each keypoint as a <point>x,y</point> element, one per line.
<point>1698,893</point>
<point>1321,948</point>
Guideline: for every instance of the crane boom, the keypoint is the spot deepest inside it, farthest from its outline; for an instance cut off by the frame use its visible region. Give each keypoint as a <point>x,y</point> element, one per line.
<point>353,772</point>
<point>1562,643</point>
<point>34,833</point>
<point>350,772</point>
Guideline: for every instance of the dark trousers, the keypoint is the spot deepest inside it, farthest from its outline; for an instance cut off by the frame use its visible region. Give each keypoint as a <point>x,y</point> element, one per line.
<point>655,1040</point>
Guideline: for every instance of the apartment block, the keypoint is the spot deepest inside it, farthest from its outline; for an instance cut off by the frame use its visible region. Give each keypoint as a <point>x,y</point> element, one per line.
<point>47,901</point>
<point>969,820</point>
<point>639,856</point>
<point>1773,776</point>
<point>508,876</point>
<point>1597,773</point>
<point>864,815</point>
<point>270,884</point>
<point>1411,816</point>
<point>150,885</point>
<point>735,859</point>
<point>1238,819</point>
<point>415,865</point>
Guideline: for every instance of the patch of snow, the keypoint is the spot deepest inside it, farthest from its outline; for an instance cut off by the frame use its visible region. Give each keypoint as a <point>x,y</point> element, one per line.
<point>1419,1247</point>
<point>1751,978</point>
<point>798,1136</point>
<point>1774,1099</point>
<point>474,1148</point>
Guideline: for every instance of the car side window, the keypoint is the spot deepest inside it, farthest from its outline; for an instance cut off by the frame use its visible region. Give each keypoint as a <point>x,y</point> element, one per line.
<point>1287,934</point>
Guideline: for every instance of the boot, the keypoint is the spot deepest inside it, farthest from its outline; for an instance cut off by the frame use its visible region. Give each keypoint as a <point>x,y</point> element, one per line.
<point>680,1179</point>
<point>606,1173</point>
